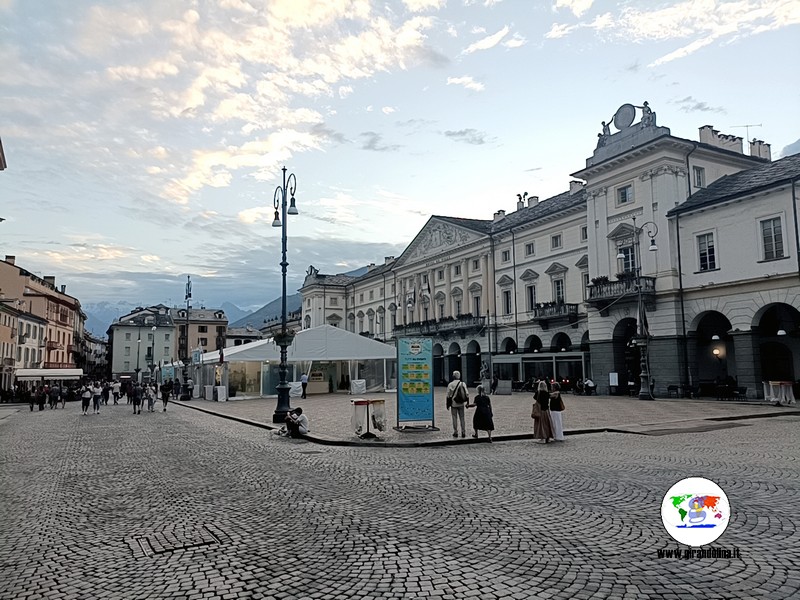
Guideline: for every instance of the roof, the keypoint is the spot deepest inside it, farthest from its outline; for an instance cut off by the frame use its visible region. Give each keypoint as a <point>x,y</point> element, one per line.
<point>743,183</point>
<point>318,343</point>
<point>480,225</point>
<point>546,208</point>
<point>144,319</point>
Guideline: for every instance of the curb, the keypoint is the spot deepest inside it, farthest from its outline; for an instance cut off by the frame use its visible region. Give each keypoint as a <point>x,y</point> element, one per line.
<point>324,441</point>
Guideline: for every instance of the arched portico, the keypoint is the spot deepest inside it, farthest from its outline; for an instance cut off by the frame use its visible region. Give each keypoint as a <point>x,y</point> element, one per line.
<point>439,376</point>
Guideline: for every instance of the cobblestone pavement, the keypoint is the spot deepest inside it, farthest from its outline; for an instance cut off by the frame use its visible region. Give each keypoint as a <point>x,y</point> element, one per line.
<point>329,414</point>
<point>188,505</point>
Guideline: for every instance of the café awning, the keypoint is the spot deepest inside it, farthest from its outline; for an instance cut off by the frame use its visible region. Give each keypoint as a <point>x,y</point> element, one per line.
<point>47,374</point>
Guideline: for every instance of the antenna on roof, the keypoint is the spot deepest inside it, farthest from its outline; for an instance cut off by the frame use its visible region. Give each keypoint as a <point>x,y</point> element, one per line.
<point>747,129</point>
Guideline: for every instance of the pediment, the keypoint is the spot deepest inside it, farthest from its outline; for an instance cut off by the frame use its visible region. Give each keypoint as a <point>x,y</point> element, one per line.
<point>505,281</point>
<point>360,314</point>
<point>623,230</point>
<point>529,275</point>
<point>583,262</point>
<point>370,312</point>
<point>334,318</point>
<point>440,296</point>
<point>556,269</point>
<point>456,292</point>
<point>437,237</point>
<point>475,287</point>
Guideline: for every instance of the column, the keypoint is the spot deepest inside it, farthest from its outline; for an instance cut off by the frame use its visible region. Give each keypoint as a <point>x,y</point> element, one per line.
<point>485,284</point>
<point>448,289</point>
<point>465,299</point>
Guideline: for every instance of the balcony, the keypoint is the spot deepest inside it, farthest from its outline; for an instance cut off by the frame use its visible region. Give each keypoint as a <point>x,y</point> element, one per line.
<point>550,312</point>
<point>52,345</point>
<point>460,325</point>
<point>22,338</point>
<point>74,348</point>
<point>604,293</point>
<point>58,365</point>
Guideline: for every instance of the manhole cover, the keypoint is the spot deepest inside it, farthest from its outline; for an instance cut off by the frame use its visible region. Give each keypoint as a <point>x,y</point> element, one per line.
<point>175,538</point>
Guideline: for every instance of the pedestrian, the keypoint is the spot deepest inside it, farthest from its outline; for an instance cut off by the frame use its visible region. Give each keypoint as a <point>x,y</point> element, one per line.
<point>176,388</point>
<point>166,390</point>
<point>55,396</point>
<point>190,388</point>
<point>129,391</point>
<point>106,392</point>
<point>151,397</point>
<point>86,398</point>
<point>556,410</point>
<point>542,426</point>
<point>31,398</point>
<point>304,383</point>
<point>482,419</point>
<point>457,399</point>
<point>41,397</point>
<point>115,389</point>
<point>136,399</point>
<point>69,396</point>
<point>495,383</point>
<point>97,393</point>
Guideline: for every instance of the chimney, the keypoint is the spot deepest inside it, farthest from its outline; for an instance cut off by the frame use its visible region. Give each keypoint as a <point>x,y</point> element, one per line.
<point>63,288</point>
<point>51,280</point>
<point>575,187</point>
<point>757,148</point>
<point>387,259</point>
<point>10,259</point>
<point>520,204</point>
<point>499,215</point>
<point>370,266</point>
<point>712,137</point>
<point>533,200</point>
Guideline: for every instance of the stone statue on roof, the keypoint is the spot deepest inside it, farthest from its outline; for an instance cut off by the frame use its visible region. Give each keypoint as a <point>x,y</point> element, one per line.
<point>648,116</point>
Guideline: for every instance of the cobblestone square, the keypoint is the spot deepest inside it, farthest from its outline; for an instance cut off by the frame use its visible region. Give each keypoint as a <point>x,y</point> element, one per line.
<point>188,505</point>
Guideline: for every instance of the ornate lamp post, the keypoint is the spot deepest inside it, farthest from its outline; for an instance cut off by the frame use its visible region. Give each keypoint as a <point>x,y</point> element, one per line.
<point>188,297</point>
<point>284,339</point>
<point>642,335</point>
<point>138,369</point>
<point>153,356</point>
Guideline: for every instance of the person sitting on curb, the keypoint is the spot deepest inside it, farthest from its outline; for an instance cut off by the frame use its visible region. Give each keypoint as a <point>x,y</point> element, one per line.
<point>296,423</point>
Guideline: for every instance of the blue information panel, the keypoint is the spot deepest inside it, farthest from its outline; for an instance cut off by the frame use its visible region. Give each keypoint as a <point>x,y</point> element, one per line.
<point>415,387</point>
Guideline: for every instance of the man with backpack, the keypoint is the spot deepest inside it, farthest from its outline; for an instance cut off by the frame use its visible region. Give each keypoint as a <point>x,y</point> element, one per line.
<point>457,399</point>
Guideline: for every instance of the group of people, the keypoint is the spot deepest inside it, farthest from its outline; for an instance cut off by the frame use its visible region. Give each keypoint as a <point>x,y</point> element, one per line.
<point>547,410</point>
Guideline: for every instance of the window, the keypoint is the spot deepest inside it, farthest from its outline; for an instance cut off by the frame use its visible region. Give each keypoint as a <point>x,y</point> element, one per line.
<point>203,342</point>
<point>555,241</point>
<point>128,337</point>
<point>505,256</point>
<point>166,337</point>
<point>440,275</point>
<point>441,311</point>
<point>772,238</point>
<point>476,306</point>
<point>127,350</point>
<point>585,285</point>
<point>361,297</point>
<point>381,294</point>
<point>360,324</point>
<point>425,316</point>
<point>530,297</point>
<point>166,352</point>
<point>699,177</point>
<point>394,320</point>
<point>458,307</point>
<point>371,294</point>
<point>476,264</point>
<point>628,260</point>
<point>202,329</point>
<point>506,302</point>
<point>530,249</point>
<point>624,195</point>
<point>334,301</point>
<point>558,290</point>
<point>149,337</point>
<point>393,288</point>
<point>584,233</point>
<point>149,353</point>
<point>457,270</point>
<point>126,366</point>
<point>424,278</point>
<point>706,252</point>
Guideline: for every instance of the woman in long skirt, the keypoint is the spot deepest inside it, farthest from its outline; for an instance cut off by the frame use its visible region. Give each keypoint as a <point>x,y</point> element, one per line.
<point>482,419</point>
<point>556,412</point>
<point>542,425</point>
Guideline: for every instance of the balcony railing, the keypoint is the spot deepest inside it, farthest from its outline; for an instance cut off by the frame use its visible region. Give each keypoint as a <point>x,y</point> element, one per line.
<point>602,294</point>
<point>446,325</point>
<point>545,313</point>
<point>23,338</point>
<point>73,348</point>
<point>52,345</point>
<point>58,365</point>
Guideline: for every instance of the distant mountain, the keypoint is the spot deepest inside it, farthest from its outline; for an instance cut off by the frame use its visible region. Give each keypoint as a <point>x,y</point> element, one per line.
<point>233,312</point>
<point>293,304</point>
<point>100,315</point>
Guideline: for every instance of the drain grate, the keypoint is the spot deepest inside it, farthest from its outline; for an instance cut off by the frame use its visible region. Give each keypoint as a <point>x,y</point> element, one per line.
<point>176,538</point>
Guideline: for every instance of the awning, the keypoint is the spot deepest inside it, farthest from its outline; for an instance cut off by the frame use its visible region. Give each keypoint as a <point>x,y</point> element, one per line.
<point>52,374</point>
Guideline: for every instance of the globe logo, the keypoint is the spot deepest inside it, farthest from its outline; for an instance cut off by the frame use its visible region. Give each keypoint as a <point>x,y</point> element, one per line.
<point>695,511</point>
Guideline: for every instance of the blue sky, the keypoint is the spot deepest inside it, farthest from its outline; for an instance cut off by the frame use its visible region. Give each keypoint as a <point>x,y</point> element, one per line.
<point>144,139</point>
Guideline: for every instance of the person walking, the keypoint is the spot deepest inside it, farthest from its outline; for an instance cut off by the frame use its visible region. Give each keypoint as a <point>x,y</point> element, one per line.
<point>556,410</point>
<point>97,393</point>
<point>152,391</point>
<point>304,383</point>
<point>136,398</point>
<point>129,391</point>
<point>482,420</point>
<point>457,399</point>
<point>166,390</point>
<point>55,396</point>
<point>106,393</point>
<point>176,388</point>
<point>115,389</point>
<point>41,397</point>
<point>495,383</point>
<point>86,398</point>
<point>31,397</point>
<point>542,426</point>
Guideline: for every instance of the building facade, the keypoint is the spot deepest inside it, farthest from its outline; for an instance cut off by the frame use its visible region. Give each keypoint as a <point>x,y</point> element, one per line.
<point>140,341</point>
<point>621,278</point>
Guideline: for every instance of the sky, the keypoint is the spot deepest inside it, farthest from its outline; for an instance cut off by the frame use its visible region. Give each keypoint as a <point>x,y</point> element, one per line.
<point>145,138</point>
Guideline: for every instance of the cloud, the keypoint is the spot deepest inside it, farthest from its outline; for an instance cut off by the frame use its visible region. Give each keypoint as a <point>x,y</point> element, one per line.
<point>374,141</point>
<point>516,41</point>
<point>793,148</point>
<point>468,136</point>
<point>533,169</point>
<point>487,42</point>
<point>345,91</point>
<point>422,5</point>
<point>578,7</point>
<point>468,82</point>
<point>690,104</point>
<point>387,110</point>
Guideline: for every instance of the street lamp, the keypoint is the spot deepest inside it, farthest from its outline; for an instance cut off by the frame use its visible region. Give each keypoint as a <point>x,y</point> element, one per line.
<point>138,369</point>
<point>642,335</point>
<point>185,394</point>
<point>285,337</point>
<point>153,356</point>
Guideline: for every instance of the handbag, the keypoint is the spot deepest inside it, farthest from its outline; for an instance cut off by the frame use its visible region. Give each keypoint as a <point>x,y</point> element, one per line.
<point>536,411</point>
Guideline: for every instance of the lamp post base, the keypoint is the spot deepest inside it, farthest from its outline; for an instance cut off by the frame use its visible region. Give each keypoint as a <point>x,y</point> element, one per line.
<point>279,416</point>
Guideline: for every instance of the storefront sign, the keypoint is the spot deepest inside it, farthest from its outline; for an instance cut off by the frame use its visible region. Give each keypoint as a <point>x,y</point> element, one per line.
<point>415,389</point>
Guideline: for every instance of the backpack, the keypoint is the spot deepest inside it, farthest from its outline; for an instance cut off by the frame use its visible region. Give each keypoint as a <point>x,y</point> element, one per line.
<point>460,395</point>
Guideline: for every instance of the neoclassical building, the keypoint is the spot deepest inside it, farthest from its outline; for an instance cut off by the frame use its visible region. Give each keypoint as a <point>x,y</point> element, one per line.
<point>667,256</point>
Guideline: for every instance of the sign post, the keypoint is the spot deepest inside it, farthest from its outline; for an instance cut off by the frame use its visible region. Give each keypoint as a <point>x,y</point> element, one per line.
<point>415,384</point>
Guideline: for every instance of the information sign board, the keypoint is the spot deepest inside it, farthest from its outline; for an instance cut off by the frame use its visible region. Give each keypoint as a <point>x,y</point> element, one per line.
<point>415,389</point>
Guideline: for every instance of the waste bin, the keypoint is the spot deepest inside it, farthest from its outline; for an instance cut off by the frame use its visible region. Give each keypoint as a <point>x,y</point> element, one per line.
<point>358,420</point>
<point>368,416</point>
<point>220,393</point>
<point>208,392</point>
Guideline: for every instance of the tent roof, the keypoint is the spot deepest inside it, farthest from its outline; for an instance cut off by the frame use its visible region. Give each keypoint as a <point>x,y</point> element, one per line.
<point>320,343</point>
<point>36,374</point>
